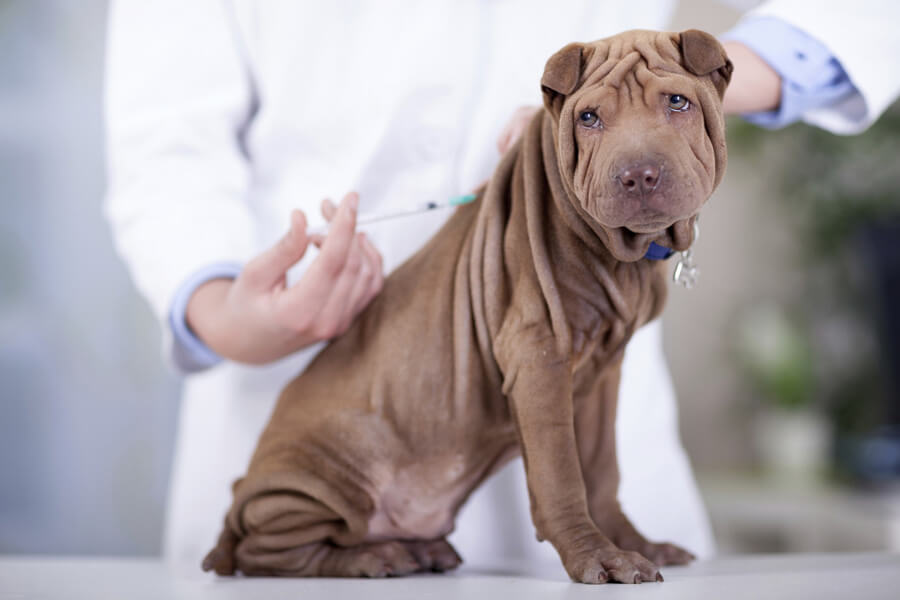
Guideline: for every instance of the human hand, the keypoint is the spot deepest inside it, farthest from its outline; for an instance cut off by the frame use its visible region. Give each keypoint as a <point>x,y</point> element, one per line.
<point>256,318</point>
<point>515,127</point>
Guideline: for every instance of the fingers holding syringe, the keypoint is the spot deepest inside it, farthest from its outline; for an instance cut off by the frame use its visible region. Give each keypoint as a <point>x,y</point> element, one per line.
<point>514,128</point>
<point>329,209</point>
<point>369,280</point>
<point>344,277</point>
<point>348,292</point>
<point>267,271</point>
<point>358,282</point>
<point>361,280</point>
<point>370,277</point>
<point>376,280</point>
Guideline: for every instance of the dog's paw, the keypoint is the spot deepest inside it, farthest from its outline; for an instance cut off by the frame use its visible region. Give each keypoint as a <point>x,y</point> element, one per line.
<point>603,566</point>
<point>220,560</point>
<point>615,525</point>
<point>435,555</point>
<point>383,559</point>
<point>667,554</point>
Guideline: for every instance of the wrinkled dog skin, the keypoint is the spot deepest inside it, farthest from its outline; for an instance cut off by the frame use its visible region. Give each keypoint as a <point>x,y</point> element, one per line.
<point>503,335</point>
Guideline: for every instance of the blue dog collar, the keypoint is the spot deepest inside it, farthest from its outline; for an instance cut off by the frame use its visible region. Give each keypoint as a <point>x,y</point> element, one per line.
<point>657,252</point>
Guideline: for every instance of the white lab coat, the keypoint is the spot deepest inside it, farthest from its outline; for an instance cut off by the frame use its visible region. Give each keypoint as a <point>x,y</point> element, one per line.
<point>224,116</point>
<point>863,36</point>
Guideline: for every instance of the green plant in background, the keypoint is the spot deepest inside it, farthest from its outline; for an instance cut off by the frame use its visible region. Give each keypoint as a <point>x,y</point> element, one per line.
<point>834,191</point>
<point>831,185</point>
<point>774,351</point>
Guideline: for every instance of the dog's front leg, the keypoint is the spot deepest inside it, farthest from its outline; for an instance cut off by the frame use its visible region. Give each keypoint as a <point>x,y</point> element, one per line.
<point>540,395</point>
<point>596,400</point>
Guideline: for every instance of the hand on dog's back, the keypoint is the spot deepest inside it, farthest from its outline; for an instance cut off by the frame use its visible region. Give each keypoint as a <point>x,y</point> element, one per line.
<point>515,127</point>
<point>256,318</point>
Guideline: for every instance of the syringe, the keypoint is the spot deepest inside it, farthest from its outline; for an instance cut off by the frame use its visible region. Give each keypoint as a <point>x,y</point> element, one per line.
<point>368,220</point>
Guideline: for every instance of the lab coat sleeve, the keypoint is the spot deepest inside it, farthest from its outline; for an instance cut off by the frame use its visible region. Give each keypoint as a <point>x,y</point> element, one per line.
<point>810,75</point>
<point>178,97</point>
<point>189,352</point>
<point>862,36</point>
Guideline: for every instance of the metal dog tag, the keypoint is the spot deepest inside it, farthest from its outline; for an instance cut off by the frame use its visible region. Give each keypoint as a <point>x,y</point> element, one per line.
<point>686,271</point>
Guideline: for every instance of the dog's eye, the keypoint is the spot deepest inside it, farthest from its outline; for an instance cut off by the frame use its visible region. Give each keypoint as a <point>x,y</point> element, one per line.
<point>679,103</point>
<point>589,119</point>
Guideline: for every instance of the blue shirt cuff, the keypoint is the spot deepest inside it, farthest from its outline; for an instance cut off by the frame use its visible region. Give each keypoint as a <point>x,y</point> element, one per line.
<point>189,353</point>
<point>811,76</point>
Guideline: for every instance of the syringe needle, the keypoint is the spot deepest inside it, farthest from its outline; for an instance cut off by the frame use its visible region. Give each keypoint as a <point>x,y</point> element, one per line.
<point>369,219</point>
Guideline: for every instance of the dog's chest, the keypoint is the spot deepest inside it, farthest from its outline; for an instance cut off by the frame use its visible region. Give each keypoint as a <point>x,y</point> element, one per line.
<point>604,311</point>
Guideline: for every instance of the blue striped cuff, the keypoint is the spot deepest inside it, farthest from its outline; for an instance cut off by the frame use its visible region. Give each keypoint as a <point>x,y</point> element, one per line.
<point>811,76</point>
<point>189,353</point>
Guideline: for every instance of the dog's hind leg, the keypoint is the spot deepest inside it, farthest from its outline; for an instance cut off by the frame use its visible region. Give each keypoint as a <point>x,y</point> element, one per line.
<point>325,559</point>
<point>271,533</point>
<point>287,532</point>
<point>383,559</point>
<point>275,531</point>
<point>276,546</point>
<point>279,545</point>
<point>261,554</point>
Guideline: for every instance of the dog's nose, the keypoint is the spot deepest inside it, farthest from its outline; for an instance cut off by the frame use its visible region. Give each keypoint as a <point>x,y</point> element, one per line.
<point>640,178</point>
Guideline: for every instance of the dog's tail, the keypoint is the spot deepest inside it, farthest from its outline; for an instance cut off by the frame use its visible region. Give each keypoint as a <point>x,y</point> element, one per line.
<point>221,558</point>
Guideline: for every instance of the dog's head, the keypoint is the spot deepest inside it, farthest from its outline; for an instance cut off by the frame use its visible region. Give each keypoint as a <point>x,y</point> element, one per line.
<point>640,134</point>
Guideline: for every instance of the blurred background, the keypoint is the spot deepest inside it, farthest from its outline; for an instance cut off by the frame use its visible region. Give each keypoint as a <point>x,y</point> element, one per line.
<point>784,357</point>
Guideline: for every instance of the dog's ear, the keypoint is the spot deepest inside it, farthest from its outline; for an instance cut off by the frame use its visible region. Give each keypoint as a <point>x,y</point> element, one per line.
<point>562,75</point>
<point>702,54</point>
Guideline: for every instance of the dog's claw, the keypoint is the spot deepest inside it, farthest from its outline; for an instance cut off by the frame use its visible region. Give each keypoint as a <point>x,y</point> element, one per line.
<point>220,561</point>
<point>659,578</point>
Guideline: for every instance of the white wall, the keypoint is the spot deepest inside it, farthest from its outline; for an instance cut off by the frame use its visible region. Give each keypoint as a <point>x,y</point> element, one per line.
<point>86,409</point>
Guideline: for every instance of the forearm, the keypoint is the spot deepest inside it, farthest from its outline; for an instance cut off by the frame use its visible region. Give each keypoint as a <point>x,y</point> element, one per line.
<point>205,316</point>
<point>755,86</point>
<point>783,74</point>
<point>845,64</point>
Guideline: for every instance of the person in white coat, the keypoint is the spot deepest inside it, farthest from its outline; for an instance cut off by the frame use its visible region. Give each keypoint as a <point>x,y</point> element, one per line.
<point>229,120</point>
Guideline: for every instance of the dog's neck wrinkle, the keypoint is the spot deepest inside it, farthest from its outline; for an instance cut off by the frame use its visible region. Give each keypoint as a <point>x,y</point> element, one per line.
<point>559,234</point>
<point>566,205</point>
<point>535,180</point>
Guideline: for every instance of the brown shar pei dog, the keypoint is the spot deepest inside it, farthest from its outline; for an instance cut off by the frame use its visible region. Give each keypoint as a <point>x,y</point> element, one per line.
<point>503,335</point>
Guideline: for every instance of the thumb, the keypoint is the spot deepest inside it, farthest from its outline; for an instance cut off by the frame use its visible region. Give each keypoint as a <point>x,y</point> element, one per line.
<point>269,268</point>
